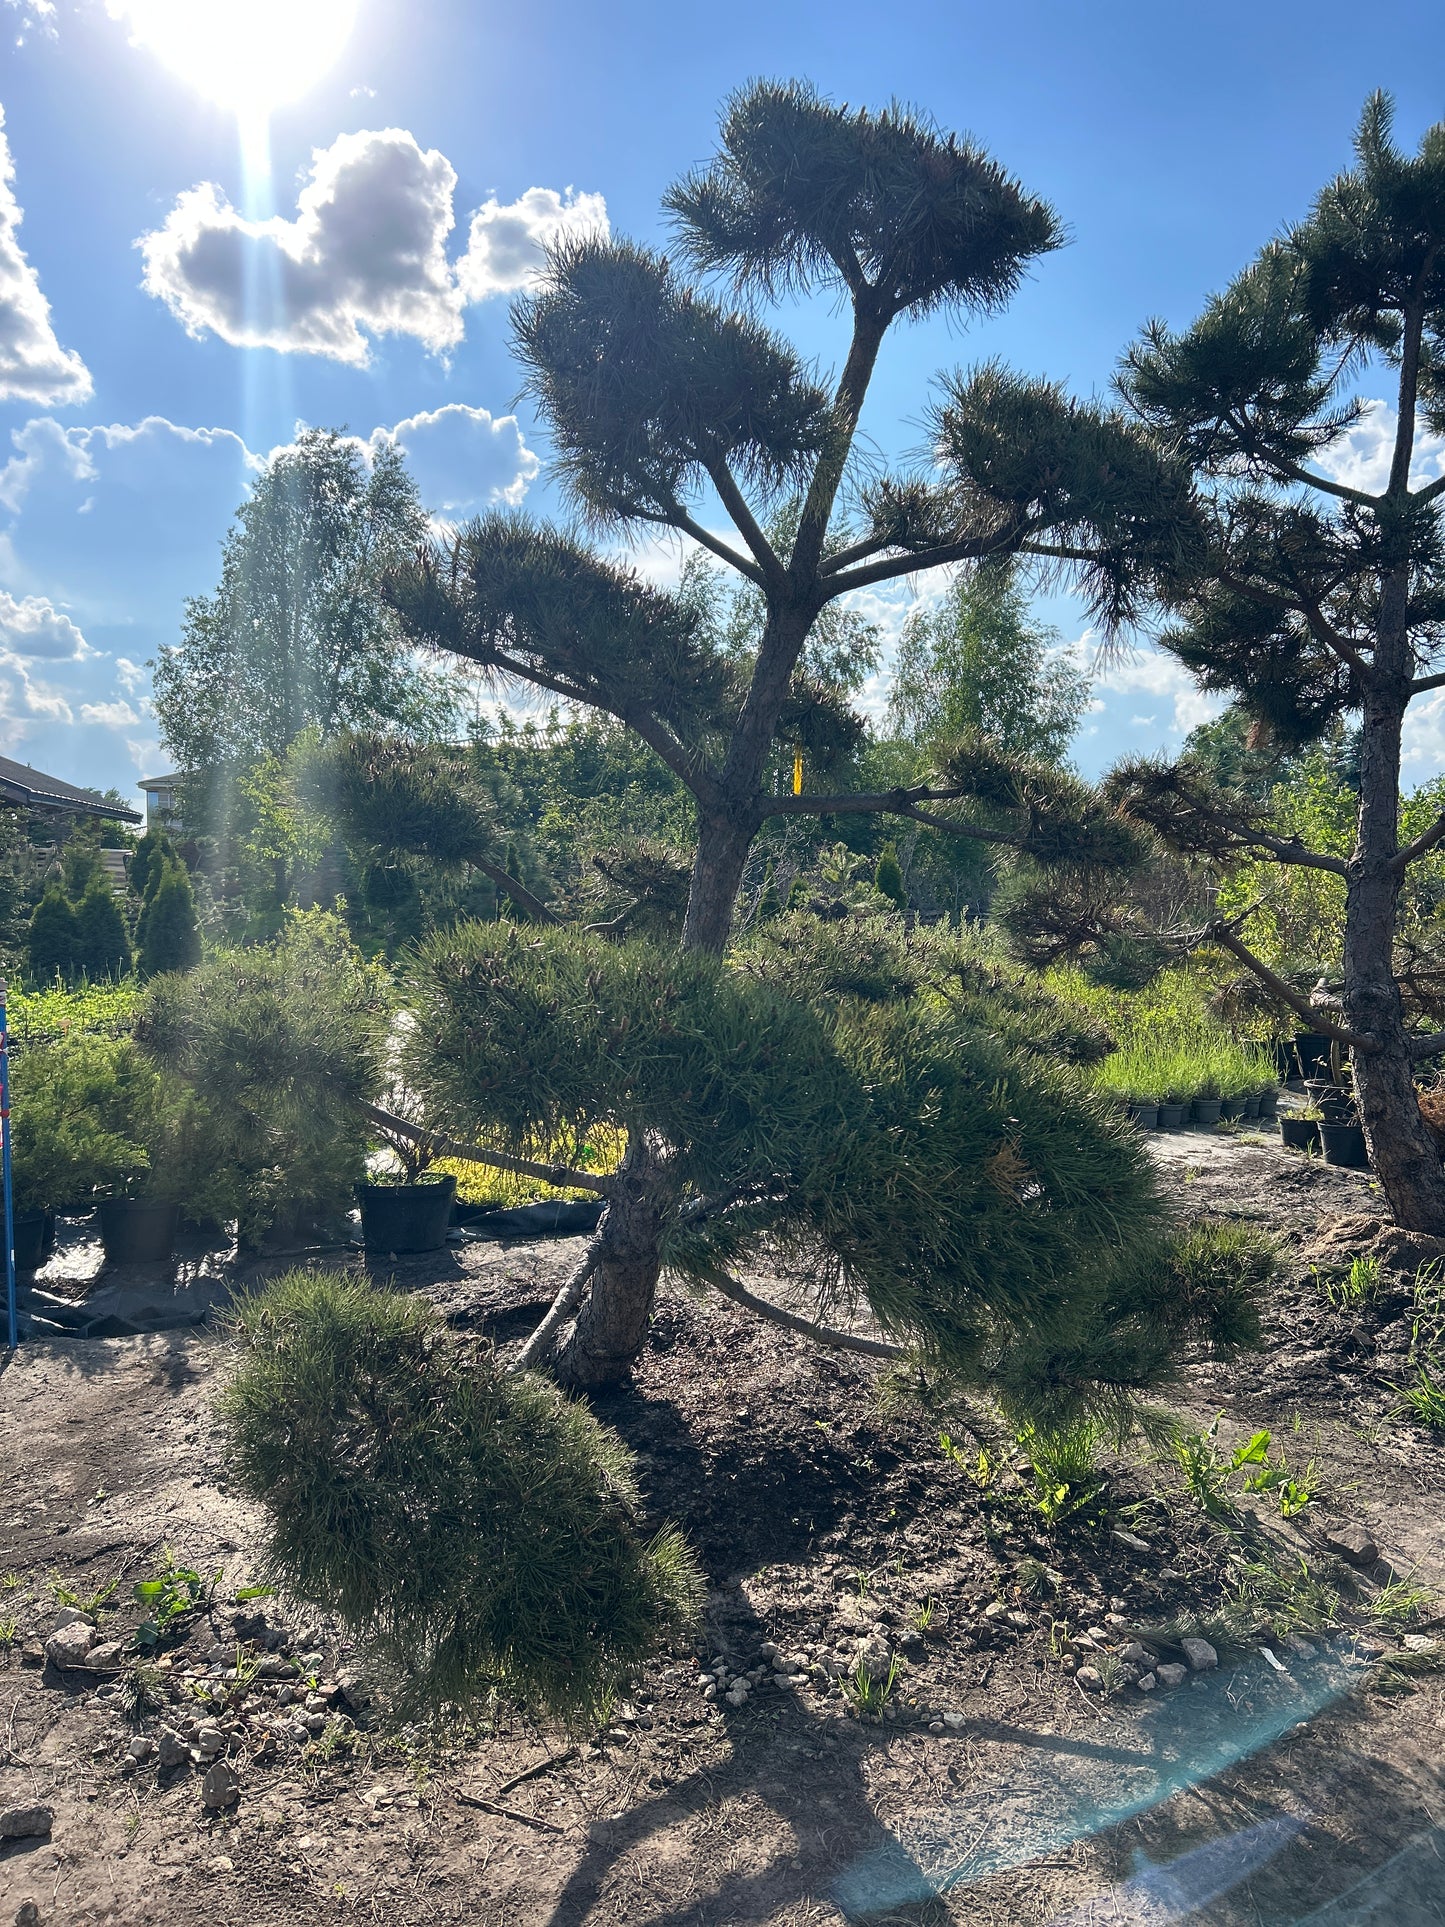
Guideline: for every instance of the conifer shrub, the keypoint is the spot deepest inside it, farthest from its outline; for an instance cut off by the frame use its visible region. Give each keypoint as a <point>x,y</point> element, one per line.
<point>888,878</point>
<point>475,1530</point>
<point>170,938</point>
<point>78,1113</point>
<point>278,1044</point>
<point>53,938</point>
<point>102,944</point>
<point>850,1108</point>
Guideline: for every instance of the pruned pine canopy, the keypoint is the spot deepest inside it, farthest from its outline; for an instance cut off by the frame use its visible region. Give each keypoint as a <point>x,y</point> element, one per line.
<point>1256,395</point>
<point>846,1104</point>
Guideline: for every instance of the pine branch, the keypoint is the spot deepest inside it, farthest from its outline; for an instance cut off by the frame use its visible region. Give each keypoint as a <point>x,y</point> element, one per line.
<point>1222,934</point>
<point>972,548</point>
<point>518,892</point>
<point>1428,1046</point>
<point>820,1334</point>
<point>561,1175</point>
<point>1422,683</point>
<point>1424,842</point>
<point>680,519</point>
<point>898,802</point>
<point>538,1348</point>
<point>769,568</point>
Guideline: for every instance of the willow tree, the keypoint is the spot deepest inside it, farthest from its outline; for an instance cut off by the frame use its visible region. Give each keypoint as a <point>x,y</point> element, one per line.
<point>1318,590</point>
<point>670,407</point>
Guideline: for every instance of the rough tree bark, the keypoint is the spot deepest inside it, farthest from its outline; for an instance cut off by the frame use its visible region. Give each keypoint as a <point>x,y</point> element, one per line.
<point>1404,1155</point>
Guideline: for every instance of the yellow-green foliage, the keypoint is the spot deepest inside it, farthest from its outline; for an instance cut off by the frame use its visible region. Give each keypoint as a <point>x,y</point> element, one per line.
<point>1169,1049</point>
<point>600,1151</point>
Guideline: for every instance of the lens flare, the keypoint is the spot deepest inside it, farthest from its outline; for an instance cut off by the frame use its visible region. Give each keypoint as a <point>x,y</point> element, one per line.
<point>248,55</point>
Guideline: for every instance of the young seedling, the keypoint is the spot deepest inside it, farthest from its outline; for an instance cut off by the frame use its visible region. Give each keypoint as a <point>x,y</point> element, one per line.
<point>869,1696</point>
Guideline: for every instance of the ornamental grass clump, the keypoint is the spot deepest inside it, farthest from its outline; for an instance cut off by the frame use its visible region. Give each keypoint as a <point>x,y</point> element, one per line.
<point>475,1530</point>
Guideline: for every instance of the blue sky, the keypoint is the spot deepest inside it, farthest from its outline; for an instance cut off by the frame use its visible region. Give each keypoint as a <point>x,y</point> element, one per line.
<point>169,310</point>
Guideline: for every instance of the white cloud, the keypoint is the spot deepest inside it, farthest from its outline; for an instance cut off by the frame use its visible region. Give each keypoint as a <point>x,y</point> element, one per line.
<point>33,365</point>
<point>1422,748</point>
<point>34,629</point>
<point>129,675</point>
<point>1150,672</point>
<point>365,253</point>
<point>146,754</point>
<point>1362,458</point>
<point>111,715</point>
<point>507,243</point>
<point>40,699</point>
<point>463,458</point>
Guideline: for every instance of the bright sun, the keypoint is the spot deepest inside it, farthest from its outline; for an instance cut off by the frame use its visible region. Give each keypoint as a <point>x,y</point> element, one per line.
<point>250,55</point>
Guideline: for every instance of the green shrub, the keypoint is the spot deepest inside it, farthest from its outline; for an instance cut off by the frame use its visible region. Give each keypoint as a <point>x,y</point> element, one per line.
<point>78,1115</point>
<point>476,1530</point>
<point>53,939</point>
<point>851,1113</point>
<point>278,1045</point>
<point>170,937</point>
<point>102,945</point>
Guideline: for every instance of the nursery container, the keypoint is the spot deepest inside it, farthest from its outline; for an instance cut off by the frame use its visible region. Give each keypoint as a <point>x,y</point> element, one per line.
<point>1207,1110</point>
<point>1231,1108</point>
<point>406,1217</point>
<point>1269,1103</point>
<point>1251,1107</point>
<point>1311,1052</point>
<point>1299,1133</point>
<point>34,1239</point>
<point>1146,1116</point>
<point>136,1233</point>
<point>1171,1116</point>
<point>1344,1144</point>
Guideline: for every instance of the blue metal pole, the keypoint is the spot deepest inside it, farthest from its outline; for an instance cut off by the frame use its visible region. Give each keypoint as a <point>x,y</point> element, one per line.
<point>12,1329</point>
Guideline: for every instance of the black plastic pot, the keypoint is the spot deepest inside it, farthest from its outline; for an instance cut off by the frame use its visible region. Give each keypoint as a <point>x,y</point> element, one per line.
<point>1268,1103</point>
<point>406,1217</point>
<point>136,1233</point>
<point>34,1236</point>
<point>1344,1144</point>
<point>1171,1116</point>
<point>1146,1116</point>
<point>1311,1051</point>
<point>1207,1110</point>
<point>1299,1133</point>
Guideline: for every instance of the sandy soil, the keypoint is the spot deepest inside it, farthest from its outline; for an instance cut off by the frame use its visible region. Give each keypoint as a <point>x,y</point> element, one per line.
<point>1306,1787</point>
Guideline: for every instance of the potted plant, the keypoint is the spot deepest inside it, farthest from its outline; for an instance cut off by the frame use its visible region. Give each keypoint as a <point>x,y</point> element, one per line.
<point>409,1211</point>
<point>1172,1107</point>
<point>1343,1142</point>
<point>1207,1103</point>
<point>73,1108</point>
<point>1300,1130</point>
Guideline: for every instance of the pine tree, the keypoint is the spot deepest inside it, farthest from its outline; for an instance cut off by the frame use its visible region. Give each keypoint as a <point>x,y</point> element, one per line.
<point>1310,595</point>
<point>172,938</point>
<point>53,943</point>
<point>888,878</point>
<point>769,905</point>
<point>102,945</point>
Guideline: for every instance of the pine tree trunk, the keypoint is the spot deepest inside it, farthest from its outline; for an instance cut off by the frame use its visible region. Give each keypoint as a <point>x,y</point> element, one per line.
<point>611,1327</point>
<point>1403,1153</point>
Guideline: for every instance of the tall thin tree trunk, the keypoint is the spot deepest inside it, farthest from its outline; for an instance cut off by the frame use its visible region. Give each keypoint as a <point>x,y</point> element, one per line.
<point>1402,1151</point>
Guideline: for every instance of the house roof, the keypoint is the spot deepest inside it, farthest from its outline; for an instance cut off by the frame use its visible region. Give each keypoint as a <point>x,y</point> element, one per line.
<point>159,782</point>
<point>33,789</point>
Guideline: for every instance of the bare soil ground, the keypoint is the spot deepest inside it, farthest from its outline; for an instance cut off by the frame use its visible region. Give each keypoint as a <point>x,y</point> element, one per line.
<point>1301,1784</point>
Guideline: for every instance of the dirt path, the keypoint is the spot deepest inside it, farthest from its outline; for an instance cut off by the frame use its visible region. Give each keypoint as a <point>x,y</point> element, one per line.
<point>997,1789</point>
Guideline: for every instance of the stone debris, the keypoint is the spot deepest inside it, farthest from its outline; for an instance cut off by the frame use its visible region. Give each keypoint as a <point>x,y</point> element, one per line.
<point>1200,1654</point>
<point>1170,1674</point>
<point>71,1644</point>
<point>1352,1543</point>
<point>221,1786</point>
<point>26,1823</point>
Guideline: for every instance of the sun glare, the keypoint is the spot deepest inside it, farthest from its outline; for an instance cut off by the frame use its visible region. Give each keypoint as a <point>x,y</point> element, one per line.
<point>249,55</point>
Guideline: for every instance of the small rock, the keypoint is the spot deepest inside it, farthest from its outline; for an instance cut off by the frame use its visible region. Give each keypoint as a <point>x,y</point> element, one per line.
<point>27,1914</point>
<point>954,1721</point>
<point>874,1657</point>
<point>1352,1543</point>
<point>106,1654</point>
<point>1132,1541</point>
<point>221,1864</point>
<point>1301,1648</point>
<point>71,1645</point>
<point>995,1609</point>
<point>1019,1620</point>
<point>32,1653</point>
<point>72,1616</point>
<point>1116,1621</point>
<point>935,1726</point>
<point>1200,1654</point>
<point>210,1741</point>
<point>1133,1653</point>
<point>141,1747</point>
<point>171,1749</point>
<point>278,1668</point>
<point>26,1823</point>
<point>1090,1678</point>
<point>1418,1643</point>
<point>1169,1674</point>
<point>221,1786</point>
<point>1146,1682</point>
